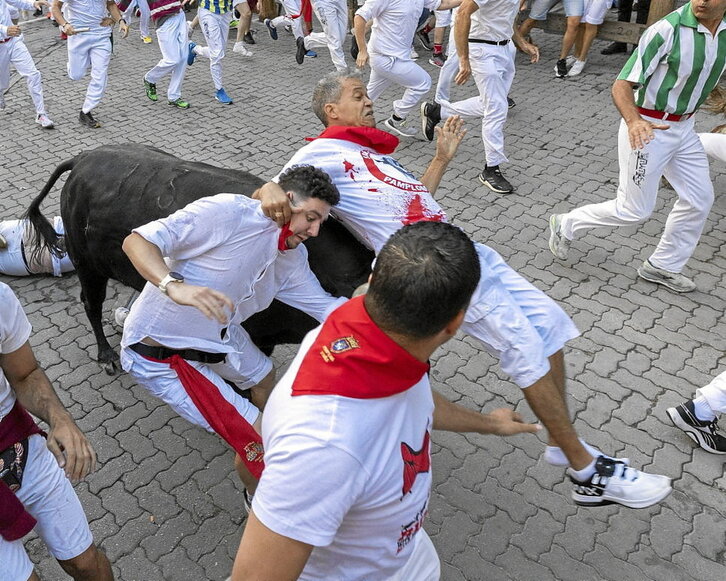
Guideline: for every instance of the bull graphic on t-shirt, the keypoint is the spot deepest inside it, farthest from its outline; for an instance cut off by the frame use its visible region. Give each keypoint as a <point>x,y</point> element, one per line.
<point>414,463</point>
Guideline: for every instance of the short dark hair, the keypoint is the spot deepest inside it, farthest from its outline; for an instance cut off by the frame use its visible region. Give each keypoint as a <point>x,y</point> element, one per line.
<point>309,182</point>
<point>423,277</point>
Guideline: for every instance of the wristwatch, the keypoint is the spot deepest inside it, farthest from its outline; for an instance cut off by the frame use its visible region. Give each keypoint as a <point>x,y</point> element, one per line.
<point>171,277</point>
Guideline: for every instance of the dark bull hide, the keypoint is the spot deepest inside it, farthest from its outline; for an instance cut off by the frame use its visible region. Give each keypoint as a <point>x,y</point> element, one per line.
<point>115,188</point>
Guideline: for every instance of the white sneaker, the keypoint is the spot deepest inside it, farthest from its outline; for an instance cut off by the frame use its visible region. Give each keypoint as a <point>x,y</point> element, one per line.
<point>190,29</point>
<point>559,245</point>
<point>570,60</point>
<point>400,127</point>
<point>241,49</point>
<point>673,280</point>
<point>616,482</point>
<point>119,315</point>
<point>576,68</point>
<point>44,121</point>
<point>414,54</point>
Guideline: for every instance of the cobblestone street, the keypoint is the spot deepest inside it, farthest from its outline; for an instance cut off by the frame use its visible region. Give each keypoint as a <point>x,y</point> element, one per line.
<point>165,503</point>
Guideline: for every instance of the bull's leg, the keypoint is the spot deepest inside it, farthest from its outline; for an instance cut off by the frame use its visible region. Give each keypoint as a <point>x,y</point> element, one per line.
<point>93,293</point>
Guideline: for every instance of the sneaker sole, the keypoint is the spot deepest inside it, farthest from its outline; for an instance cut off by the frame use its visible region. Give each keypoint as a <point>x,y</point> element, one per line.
<point>665,283</point>
<point>695,434</point>
<point>494,189</point>
<point>424,121</point>
<point>553,240</point>
<point>605,499</point>
<point>398,131</point>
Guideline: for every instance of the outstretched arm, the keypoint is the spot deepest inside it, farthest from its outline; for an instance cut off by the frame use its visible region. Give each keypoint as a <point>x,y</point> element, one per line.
<point>452,417</point>
<point>35,393</point>
<point>448,139</point>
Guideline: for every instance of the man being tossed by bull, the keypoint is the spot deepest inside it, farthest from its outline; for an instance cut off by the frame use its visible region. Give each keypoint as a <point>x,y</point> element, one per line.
<point>513,320</point>
<point>221,255</point>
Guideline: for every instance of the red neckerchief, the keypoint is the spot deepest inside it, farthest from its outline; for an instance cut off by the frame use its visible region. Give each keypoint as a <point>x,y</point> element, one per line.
<point>353,357</point>
<point>285,233</point>
<point>371,137</point>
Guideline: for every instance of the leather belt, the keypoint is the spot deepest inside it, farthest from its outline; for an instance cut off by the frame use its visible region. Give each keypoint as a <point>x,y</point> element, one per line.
<point>162,353</point>
<point>495,42</point>
<point>662,115</point>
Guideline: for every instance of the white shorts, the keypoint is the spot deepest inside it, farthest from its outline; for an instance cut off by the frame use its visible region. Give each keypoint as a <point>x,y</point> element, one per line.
<point>245,368</point>
<point>48,495</point>
<point>595,10</point>
<point>515,321</point>
<point>443,18</point>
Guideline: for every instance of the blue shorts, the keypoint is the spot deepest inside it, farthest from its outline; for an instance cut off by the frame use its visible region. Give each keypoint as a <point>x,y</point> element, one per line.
<point>540,8</point>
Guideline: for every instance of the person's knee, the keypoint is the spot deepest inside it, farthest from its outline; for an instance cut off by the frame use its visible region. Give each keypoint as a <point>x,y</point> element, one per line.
<point>573,23</point>
<point>86,566</point>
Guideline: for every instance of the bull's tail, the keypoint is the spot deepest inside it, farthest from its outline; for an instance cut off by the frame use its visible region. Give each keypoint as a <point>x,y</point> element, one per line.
<point>44,235</point>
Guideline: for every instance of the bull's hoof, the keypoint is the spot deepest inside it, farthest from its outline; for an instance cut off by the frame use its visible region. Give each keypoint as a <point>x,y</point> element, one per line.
<point>110,367</point>
<point>109,361</point>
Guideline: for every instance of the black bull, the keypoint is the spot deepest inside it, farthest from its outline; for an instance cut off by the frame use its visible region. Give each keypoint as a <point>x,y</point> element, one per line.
<point>115,188</point>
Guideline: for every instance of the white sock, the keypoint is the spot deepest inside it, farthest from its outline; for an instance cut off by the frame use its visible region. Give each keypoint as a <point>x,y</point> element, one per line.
<point>584,474</point>
<point>555,455</point>
<point>703,410</point>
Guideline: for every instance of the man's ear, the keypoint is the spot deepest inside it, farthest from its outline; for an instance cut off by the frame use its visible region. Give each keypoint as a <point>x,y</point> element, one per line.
<point>453,326</point>
<point>330,110</point>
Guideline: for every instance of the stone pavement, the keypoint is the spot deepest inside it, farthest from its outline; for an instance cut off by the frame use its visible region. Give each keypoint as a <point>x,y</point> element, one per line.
<point>164,503</point>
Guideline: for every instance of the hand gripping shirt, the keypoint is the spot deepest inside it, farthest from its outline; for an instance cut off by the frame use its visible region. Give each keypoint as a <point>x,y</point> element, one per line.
<point>224,242</point>
<point>677,64</point>
<point>346,435</point>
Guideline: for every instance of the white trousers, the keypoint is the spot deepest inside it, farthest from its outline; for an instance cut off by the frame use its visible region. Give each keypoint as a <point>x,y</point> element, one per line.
<point>714,144</point>
<point>174,45</point>
<point>514,320</point>
<point>293,17</point>
<point>423,564</point>
<point>143,7</point>
<point>387,70</point>
<point>715,393</point>
<point>48,495</point>
<point>675,153</point>
<point>163,382</point>
<point>84,50</point>
<point>15,53</point>
<point>333,15</point>
<point>492,67</point>
<point>447,73</point>
<point>215,28</point>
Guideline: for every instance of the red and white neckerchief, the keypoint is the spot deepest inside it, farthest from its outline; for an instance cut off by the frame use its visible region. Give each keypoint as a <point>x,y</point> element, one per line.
<point>353,357</point>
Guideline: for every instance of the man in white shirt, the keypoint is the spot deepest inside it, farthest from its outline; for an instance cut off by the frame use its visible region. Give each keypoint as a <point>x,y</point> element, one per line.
<point>333,16</point>
<point>88,24</point>
<point>347,430</point>
<point>20,255</point>
<point>14,52</point>
<point>514,321</point>
<point>35,468</point>
<point>485,40</point>
<point>216,256</point>
<point>389,52</point>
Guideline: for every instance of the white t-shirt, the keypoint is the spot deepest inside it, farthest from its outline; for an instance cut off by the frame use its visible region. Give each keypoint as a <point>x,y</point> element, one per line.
<point>334,475</point>
<point>6,13</point>
<point>81,13</point>
<point>14,332</point>
<point>394,24</point>
<point>224,242</point>
<point>494,20</point>
<point>377,195</point>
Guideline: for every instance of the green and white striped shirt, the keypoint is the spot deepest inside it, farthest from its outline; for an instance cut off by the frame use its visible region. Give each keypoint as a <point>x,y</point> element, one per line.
<point>677,64</point>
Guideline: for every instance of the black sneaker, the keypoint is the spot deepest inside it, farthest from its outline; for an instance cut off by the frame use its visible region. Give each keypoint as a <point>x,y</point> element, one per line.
<point>614,48</point>
<point>616,482</point>
<point>300,52</point>
<point>247,38</point>
<point>430,118</point>
<point>492,178</point>
<point>561,69</point>
<point>88,120</point>
<point>510,103</point>
<point>703,433</point>
<point>423,36</point>
<point>354,48</point>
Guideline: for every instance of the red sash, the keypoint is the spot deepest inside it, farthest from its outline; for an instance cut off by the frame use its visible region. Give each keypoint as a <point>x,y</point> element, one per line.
<point>220,414</point>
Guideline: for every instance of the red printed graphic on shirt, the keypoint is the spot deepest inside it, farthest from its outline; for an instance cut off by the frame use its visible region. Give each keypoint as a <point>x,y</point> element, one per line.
<point>349,169</point>
<point>417,212</point>
<point>377,173</point>
<point>414,463</point>
<point>408,531</point>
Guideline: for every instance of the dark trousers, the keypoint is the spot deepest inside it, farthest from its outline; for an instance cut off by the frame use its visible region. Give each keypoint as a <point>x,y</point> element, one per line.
<point>625,11</point>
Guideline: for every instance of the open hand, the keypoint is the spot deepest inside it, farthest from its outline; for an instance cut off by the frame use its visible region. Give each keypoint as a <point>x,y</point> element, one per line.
<point>71,449</point>
<point>641,132</point>
<point>508,422</point>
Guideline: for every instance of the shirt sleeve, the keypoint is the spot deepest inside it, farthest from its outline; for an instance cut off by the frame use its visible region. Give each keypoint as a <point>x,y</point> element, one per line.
<point>287,503</point>
<point>372,9</point>
<point>14,325</point>
<point>21,4</point>
<point>301,289</point>
<point>654,46</point>
<point>432,4</point>
<point>195,229</point>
